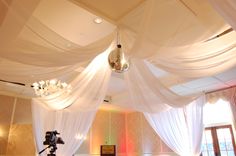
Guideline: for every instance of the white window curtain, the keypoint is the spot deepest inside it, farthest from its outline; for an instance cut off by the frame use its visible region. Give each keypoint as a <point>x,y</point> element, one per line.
<point>181,128</point>
<point>232,101</point>
<point>228,95</point>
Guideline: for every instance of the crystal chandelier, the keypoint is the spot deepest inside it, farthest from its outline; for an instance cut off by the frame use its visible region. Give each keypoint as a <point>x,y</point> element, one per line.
<point>48,87</point>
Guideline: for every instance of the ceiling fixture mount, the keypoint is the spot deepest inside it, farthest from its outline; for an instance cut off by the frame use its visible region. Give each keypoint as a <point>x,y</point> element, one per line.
<point>116,59</point>
<point>98,20</point>
<point>48,87</point>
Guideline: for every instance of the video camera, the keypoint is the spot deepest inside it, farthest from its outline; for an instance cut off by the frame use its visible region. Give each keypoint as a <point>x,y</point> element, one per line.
<point>52,140</point>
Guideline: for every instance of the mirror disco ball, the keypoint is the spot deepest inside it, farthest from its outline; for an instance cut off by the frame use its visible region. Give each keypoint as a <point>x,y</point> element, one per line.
<point>117,61</point>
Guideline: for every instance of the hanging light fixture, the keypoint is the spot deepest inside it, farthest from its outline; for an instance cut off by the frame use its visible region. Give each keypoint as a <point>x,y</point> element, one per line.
<point>116,59</point>
<point>48,87</point>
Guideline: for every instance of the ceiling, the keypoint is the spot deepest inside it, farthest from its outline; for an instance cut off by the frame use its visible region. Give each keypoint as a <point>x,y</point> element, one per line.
<point>73,23</point>
<point>110,9</point>
<point>74,20</point>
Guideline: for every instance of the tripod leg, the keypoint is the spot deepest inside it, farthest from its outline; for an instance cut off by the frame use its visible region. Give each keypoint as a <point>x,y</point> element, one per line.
<point>43,150</point>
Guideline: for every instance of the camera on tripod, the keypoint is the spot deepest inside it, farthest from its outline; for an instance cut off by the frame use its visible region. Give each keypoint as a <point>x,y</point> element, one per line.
<point>52,140</point>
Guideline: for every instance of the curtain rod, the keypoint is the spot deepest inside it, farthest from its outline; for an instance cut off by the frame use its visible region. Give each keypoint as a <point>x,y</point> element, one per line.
<point>220,89</point>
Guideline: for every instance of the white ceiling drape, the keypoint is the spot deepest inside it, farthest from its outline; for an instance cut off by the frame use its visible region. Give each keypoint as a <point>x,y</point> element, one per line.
<point>179,52</point>
<point>89,88</point>
<point>201,59</point>
<point>26,42</point>
<point>147,93</point>
<point>226,9</point>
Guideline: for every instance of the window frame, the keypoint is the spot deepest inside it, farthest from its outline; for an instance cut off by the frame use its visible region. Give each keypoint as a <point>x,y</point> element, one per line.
<point>215,140</point>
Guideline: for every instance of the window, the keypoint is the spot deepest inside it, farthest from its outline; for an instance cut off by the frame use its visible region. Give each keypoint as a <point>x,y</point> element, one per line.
<point>218,138</point>
<point>218,141</point>
<point>218,113</point>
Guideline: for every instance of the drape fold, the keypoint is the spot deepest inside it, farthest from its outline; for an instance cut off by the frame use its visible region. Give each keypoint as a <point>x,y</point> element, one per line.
<point>147,93</point>
<point>226,9</point>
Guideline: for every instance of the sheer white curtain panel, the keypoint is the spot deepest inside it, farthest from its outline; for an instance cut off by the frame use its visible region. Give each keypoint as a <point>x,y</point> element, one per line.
<point>73,127</point>
<point>180,128</point>
<point>232,101</point>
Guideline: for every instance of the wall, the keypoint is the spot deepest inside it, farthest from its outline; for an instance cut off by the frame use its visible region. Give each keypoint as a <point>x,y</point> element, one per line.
<point>16,135</point>
<point>21,141</point>
<point>108,128</point>
<point>6,108</point>
<point>129,131</point>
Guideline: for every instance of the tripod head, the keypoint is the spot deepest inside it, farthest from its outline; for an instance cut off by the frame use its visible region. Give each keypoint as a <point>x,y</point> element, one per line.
<point>52,150</point>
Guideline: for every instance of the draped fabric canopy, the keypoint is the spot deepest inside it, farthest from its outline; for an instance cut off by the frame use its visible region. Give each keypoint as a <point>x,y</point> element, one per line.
<point>33,49</point>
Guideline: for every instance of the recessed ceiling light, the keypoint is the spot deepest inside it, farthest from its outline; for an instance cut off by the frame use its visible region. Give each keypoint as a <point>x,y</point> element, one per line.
<point>98,20</point>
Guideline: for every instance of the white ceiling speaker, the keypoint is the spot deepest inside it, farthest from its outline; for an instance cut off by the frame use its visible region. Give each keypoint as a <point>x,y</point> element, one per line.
<point>116,59</point>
